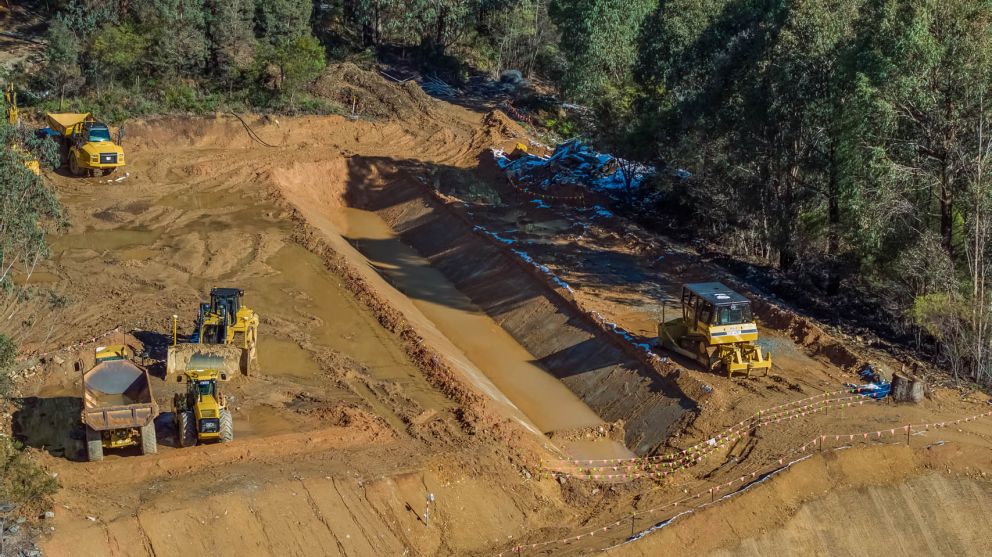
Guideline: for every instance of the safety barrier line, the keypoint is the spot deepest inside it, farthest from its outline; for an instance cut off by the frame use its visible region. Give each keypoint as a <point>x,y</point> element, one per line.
<point>816,442</point>
<point>721,439</point>
<point>639,471</point>
<point>730,429</point>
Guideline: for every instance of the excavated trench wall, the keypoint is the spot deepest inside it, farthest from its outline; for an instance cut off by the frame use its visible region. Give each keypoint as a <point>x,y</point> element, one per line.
<point>564,340</point>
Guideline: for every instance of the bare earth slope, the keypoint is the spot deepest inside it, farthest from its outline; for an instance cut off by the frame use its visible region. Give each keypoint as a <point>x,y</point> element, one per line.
<point>405,352</point>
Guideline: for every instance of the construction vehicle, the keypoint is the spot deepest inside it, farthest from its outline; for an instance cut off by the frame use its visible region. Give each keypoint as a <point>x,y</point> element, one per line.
<point>118,406</point>
<point>224,327</point>
<point>13,116</point>
<point>717,329</point>
<point>201,412</point>
<point>86,143</point>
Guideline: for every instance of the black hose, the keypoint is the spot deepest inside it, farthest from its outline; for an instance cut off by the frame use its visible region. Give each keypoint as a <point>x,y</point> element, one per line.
<point>251,132</point>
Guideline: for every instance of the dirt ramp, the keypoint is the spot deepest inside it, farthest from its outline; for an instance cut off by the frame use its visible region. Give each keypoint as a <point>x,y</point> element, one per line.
<point>614,384</point>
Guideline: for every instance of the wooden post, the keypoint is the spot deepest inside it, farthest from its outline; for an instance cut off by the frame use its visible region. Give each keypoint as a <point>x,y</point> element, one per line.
<point>909,431</point>
<point>632,525</point>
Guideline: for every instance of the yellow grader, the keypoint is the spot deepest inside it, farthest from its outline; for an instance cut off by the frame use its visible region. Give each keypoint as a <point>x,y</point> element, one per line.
<point>717,329</point>
<point>225,328</point>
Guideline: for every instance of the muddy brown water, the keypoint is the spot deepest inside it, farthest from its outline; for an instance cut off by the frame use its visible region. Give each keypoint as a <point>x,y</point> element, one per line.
<point>311,307</point>
<point>541,397</point>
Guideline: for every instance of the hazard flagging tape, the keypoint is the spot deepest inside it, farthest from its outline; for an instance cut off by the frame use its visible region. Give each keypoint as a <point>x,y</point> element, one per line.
<point>661,469</point>
<point>780,464</point>
<point>775,412</point>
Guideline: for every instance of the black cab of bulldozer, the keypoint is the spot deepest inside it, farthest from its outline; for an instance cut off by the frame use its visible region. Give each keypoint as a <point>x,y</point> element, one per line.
<point>712,304</point>
<point>226,301</point>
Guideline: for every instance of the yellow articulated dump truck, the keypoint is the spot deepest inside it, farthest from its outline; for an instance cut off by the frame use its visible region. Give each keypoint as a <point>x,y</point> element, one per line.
<point>86,143</point>
<point>118,407</point>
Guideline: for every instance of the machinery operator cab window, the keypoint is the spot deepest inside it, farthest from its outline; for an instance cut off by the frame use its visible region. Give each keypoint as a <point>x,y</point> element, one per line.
<point>205,388</point>
<point>732,314</point>
<point>99,132</point>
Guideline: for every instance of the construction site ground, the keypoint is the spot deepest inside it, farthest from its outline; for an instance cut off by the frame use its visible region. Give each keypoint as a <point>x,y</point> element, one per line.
<point>410,345</point>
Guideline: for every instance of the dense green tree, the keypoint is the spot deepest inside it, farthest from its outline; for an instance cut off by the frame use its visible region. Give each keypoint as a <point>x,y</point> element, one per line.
<point>61,69</point>
<point>230,27</point>
<point>926,65</point>
<point>281,21</point>
<point>293,62</point>
<point>599,42</point>
<point>177,35</point>
<point>118,50</point>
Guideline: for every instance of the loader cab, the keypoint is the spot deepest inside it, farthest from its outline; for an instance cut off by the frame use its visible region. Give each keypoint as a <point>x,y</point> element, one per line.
<point>226,302</point>
<point>719,313</point>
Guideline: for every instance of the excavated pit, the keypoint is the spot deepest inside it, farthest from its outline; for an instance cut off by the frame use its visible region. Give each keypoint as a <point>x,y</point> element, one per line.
<point>540,351</point>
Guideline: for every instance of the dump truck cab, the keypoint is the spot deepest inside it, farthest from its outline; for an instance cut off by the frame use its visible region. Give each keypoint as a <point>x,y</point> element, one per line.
<point>717,329</point>
<point>201,412</point>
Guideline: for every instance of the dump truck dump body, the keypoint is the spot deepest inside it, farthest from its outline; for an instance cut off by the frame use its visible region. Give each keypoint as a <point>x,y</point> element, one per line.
<point>64,123</point>
<point>117,394</point>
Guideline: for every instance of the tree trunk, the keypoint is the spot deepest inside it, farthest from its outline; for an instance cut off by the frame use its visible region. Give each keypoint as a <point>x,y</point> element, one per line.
<point>947,212</point>
<point>833,224</point>
<point>906,388</point>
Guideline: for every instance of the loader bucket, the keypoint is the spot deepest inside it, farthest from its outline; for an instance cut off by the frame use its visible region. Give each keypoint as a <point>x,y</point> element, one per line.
<point>232,360</point>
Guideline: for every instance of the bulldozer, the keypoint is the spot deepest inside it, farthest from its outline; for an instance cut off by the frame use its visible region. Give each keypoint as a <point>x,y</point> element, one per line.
<point>13,116</point>
<point>717,329</point>
<point>201,412</point>
<point>224,327</point>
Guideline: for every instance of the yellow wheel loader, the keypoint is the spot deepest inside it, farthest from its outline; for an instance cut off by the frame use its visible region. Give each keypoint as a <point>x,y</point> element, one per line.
<point>717,329</point>
<point>201,412</point>
<point>86,144</point>
<point>225,327</point>
<point>14,119</point>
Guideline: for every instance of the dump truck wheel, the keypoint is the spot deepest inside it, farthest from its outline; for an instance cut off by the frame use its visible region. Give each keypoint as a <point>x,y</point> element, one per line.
<point>108,171</point>
<point>94,445</point>
<point>149,443</point>
<point>73,166</point>
<point>187,429</point>
<point>226,426</point>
